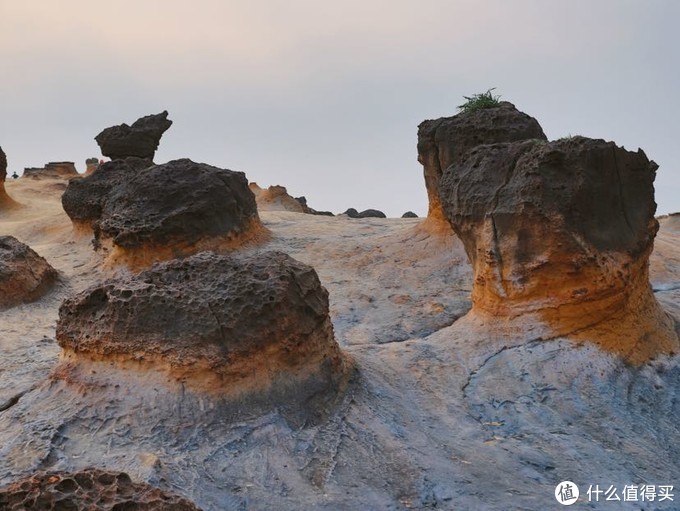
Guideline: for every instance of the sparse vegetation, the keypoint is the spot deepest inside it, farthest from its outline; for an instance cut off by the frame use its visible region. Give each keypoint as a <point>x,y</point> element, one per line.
<point>478,101</point>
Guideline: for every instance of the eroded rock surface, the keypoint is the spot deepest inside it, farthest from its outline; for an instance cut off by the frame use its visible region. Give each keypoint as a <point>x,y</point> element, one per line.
<point>163,211</point>
<point>367,213</point>
<point>55,169</point>
<point>88,490</point>
<point>140,140</point>
<point>24,275</point>
<point>559,236</point>
<point>275,198</point>
<point>225,324</point>
<point>445,141</point>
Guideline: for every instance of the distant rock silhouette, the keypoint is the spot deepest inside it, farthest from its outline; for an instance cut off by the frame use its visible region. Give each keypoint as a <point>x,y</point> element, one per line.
<point>367,213</point>
<point>445,141</point>
<point>559,234</point>
<point>91,165</point>
<point>55,169</point>
<point>88,490</point>
<point>6,202</point>
<point>163,211</point>
<point>409,214</point>
<point>140,140</point>
<point>228,324</point>
<point>24,275</point>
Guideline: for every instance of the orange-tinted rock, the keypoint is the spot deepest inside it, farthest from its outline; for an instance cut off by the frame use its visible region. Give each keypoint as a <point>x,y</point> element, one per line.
<point>6,202</point>
<point>445,141</point>
<point>55,169</point>
<point>559,234</point>
<point>88,490</point>
<point>225,324</point>
<point>275,198</point>
<point>24,275</point>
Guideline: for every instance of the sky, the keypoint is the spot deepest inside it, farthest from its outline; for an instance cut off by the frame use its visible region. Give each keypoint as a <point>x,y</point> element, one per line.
<point>325,97</point>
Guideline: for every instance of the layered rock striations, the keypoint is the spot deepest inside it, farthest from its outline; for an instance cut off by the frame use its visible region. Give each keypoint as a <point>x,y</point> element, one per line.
<point>229,325</point>
<point>54,169</point>
<point>559,236</point>
<point>24,275</point>
<point>88,490</point>
<point>139,140</point>
<point>445,141</point>
<point>142,215</point>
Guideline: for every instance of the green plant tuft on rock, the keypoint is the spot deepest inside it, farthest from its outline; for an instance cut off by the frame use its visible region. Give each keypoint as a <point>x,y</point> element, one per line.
<point>479,101</point>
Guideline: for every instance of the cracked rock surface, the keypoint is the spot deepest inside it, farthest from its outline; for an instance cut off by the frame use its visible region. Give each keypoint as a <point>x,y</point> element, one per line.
<point>559,235</point>
<point>445,141</point>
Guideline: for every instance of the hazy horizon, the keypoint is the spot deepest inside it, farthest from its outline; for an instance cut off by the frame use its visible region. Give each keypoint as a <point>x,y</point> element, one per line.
<point>325,99</point>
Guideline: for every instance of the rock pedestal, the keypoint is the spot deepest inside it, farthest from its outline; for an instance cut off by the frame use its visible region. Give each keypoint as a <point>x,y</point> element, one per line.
<point>559,235</point>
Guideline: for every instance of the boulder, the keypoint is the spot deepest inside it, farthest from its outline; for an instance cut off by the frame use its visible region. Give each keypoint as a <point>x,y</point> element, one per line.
<point>367,213</point>
<point>139,140</point>
<point>275,198</point>
<point>445,141</point>
<point>559,236</point>
<point>55,169</point>
<point>225,324</point>
<point>89,489</point>
<point>24,275</point>
<point>163,211</point>
<point>409,214</point>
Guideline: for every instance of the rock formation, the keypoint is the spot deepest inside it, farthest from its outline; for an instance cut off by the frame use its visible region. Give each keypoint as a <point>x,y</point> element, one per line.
<point>225,324</point>
<point>6,201</point>
<point>409,214</point>
<point>445,141</point>
<point>367,213</point>
<point>275,198</point>
<point>88,490</point>
<point>55,169</point>
<point>163,211</point>
<point>24,275</point>
<point>139,140</point>
<point>311,211</point>
<point>559,236</point>
<point>91,165</point>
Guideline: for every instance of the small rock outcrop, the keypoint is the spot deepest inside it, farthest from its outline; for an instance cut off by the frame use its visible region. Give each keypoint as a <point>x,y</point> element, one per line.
<point>445,141</point>
<point>88,490</point>
<point>367,213</point>
<point>230,325</point>
<point>275,198</point>
<point>6,202</point>
<point>311,211</point>
<point>179,208</point>
<point>409,214</point>
<point>91,165</point>
<point>24,275</point>
<point>55,169</point>
<point>140,140</point>
<point>559,235</point>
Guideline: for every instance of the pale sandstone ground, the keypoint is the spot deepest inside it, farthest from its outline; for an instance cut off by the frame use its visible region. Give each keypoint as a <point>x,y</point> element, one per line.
<point>439,415</point>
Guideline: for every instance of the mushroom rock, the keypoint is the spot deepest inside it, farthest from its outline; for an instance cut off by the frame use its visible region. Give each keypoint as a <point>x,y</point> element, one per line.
<point>141,139</point>
<point>6,202</point>
<point>445,141</point>
<point>88,490</point>
<point>367,213</point>
<point>409,214</point>
<point>164,211</point>
<point>559,235</point>
<point>24,275</point>
<point>230,325</point>
<point>91,165</point>
<point>55,169</point>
